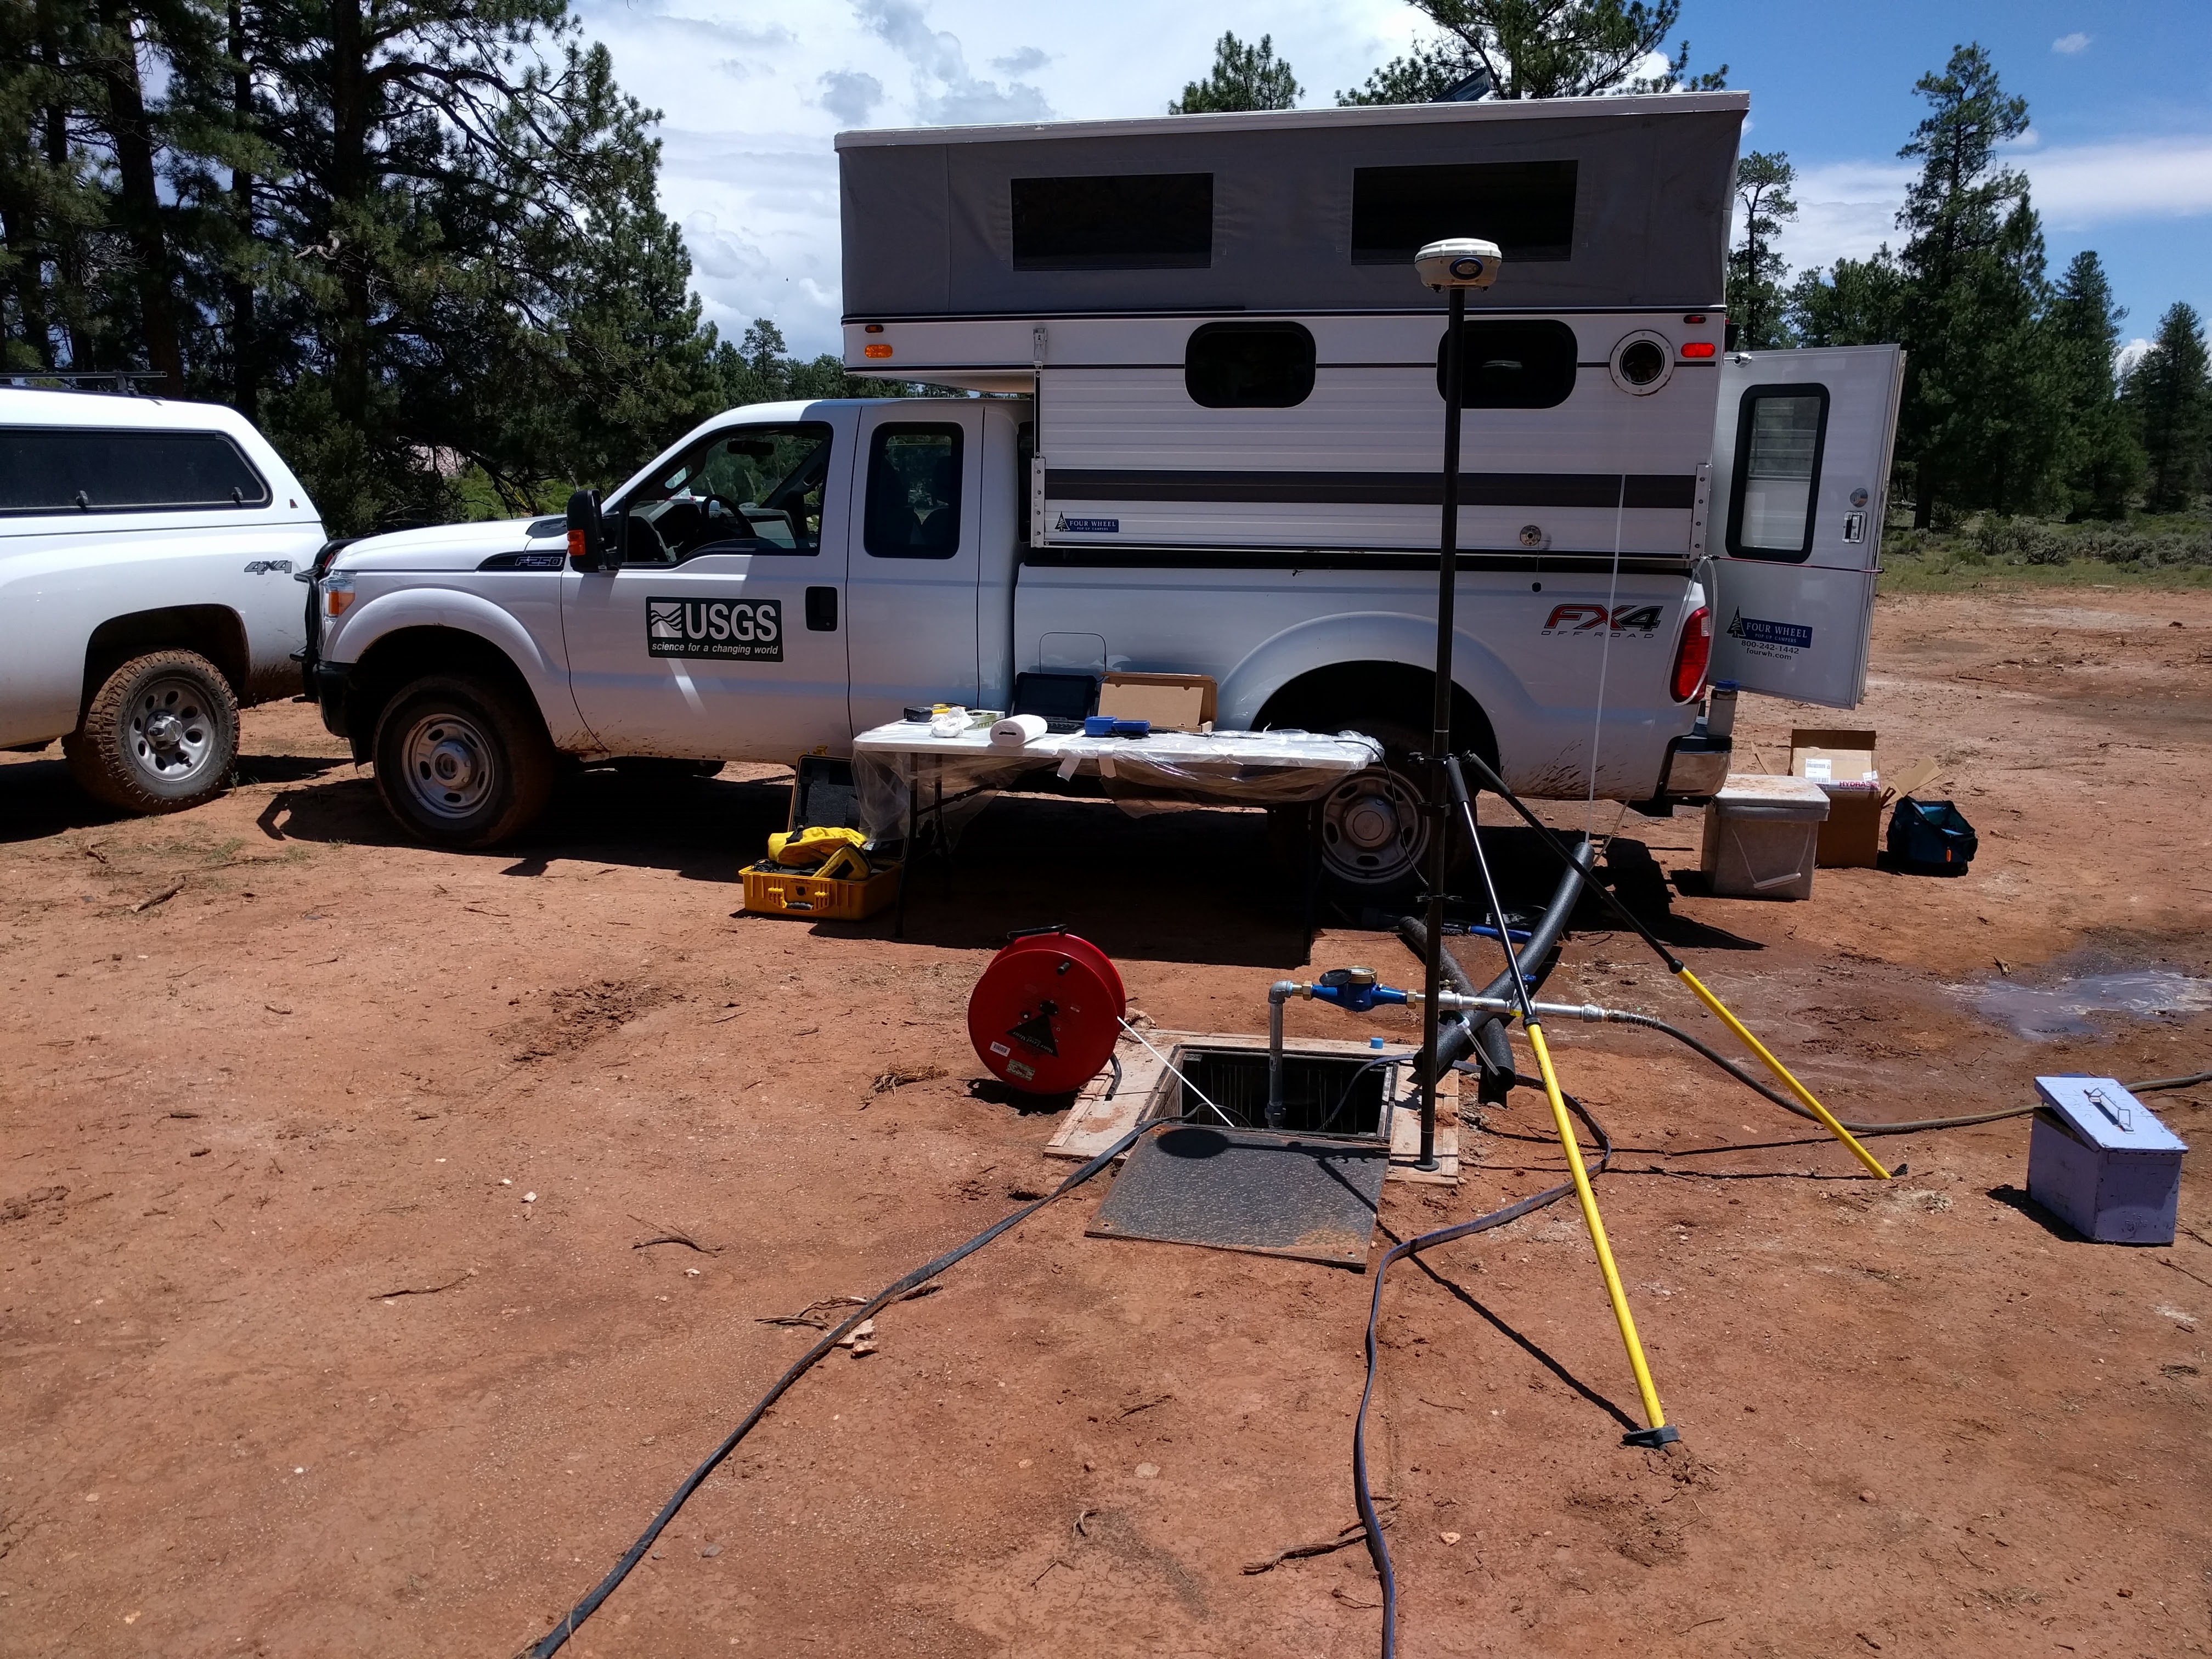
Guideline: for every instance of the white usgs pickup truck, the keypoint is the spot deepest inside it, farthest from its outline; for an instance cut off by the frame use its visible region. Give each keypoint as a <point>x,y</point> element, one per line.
<point>1166,477</point>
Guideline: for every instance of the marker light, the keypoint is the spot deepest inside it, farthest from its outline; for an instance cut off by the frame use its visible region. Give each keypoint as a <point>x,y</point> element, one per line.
<point>1698,348</point>
<point>873,349</point>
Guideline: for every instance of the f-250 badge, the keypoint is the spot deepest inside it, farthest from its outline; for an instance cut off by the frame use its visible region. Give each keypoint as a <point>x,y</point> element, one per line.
<point>730,630</point>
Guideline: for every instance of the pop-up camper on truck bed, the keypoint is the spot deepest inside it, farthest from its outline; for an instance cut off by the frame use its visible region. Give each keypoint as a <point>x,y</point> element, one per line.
<point>1222,457</point>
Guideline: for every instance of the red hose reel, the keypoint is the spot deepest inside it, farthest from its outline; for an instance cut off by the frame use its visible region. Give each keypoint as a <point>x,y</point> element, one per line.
<point>1044,1016</point>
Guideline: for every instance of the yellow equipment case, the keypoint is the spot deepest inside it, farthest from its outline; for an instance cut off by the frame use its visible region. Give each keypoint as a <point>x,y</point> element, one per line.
<point>849,886</point>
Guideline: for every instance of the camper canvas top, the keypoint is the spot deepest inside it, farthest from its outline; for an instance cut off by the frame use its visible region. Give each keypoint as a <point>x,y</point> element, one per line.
<point>1598,202</point>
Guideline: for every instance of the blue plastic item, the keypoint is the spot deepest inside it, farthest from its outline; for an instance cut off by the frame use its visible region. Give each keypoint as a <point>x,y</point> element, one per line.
<point>2100,1161</point>
<point>1931,837</point>
<point>1105,726</point>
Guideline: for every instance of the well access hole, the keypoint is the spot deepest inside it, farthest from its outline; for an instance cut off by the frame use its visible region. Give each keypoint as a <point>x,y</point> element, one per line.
<point>1322,1094</point>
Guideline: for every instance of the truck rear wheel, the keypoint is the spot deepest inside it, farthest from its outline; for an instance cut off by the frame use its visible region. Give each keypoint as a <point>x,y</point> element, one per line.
<point>462,762</point>
<point>159,735</point>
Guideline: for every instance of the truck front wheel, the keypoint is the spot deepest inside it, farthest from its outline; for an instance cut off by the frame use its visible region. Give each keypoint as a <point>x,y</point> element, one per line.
<point>159,736</point>
<point>462,762</point>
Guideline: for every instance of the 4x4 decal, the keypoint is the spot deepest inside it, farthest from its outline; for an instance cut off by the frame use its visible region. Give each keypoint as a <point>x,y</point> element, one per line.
<point>1631,618</point>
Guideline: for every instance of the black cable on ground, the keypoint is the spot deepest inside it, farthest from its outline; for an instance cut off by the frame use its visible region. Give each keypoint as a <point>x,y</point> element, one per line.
<point>553,1640</point>
<point>2188,1081</point>
<point>1376,1547</point>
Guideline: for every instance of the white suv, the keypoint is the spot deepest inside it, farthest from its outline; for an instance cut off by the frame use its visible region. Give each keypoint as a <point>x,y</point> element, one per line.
<point>147,549</point>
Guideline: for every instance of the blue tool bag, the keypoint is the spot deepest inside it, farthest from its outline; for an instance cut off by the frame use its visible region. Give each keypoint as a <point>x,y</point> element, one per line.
<point>1931,837</point>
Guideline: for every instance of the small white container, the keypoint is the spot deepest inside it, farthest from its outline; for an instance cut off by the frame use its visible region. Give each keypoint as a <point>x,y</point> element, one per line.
<point>1762,836</point>
<point>2099,1161</point>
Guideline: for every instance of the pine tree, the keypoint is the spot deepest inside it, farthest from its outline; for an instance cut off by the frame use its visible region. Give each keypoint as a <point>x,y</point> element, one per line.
<point>1981,419</point>
<point>2171,404</point>
<point>1244,77</point>
<point>1856,302</point>
<point>1756,299</point>
<point>2101,461</point>
<point>1545,49</point>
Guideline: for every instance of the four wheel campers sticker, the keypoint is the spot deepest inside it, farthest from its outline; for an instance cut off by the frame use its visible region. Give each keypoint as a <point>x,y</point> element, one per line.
<point>732,630</point>
<point>1769,638</point>
<point>1088,526</point>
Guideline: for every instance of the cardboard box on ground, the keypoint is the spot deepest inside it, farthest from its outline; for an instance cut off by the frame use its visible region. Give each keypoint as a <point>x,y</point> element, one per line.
<point>1841,760</point>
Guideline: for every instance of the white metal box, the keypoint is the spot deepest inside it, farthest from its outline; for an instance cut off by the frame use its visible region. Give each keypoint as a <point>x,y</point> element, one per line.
<point>2102,1163</point>
<point>1761,835</point>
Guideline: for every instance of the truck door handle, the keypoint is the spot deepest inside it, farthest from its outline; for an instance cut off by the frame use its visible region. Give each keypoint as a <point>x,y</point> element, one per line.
<point>822,610</point>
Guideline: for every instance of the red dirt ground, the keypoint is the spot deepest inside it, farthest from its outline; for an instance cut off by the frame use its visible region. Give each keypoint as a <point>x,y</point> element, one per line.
<point>295,1364</point>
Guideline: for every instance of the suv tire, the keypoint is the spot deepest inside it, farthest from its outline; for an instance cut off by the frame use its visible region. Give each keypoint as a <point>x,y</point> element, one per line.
<point>161,734</point>
<point>462,762</point>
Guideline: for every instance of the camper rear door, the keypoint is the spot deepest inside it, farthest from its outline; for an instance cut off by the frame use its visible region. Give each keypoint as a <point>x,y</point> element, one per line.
<point>1801,465</point>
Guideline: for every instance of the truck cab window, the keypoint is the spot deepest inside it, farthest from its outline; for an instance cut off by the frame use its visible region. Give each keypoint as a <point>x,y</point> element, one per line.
<point>1777,472</point>
<point>914,492</point>
<point>1249,365</point>
<point>752,489</point>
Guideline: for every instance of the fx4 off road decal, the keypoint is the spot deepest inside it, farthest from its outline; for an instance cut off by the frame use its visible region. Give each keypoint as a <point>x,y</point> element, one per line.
<point>1769,638</point>
<point>1640,619</point>
<point>731,630</point>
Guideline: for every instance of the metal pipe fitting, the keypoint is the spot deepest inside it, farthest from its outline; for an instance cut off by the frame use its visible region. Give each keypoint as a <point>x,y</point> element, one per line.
<point>1278,993</point>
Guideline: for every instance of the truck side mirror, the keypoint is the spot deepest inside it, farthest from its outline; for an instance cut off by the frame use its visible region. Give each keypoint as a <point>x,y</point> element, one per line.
<point>587,535</point>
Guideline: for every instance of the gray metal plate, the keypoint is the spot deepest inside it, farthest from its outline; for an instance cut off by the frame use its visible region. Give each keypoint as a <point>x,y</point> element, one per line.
<point>1244,1189</point>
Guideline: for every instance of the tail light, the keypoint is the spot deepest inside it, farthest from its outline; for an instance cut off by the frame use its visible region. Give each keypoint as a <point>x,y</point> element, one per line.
<point>1693,654</point>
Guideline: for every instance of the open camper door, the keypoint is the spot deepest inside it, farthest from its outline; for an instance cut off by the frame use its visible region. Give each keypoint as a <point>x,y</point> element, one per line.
<point>1800,470</point>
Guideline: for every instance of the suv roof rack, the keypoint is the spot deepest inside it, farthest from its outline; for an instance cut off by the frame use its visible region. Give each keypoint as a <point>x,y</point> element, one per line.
<point>123,380</point>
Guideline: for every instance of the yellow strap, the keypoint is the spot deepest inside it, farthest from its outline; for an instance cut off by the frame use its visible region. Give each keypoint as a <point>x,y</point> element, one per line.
<point>1618,1297</point>
<point>1743,1034</point>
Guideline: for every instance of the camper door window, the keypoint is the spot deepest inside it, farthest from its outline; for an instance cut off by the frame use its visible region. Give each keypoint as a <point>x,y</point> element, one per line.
<point>753,490</point>
<point>1779,435</point>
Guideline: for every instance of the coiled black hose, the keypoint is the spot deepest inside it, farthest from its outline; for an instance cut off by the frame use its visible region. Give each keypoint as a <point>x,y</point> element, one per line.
<point>1377,1549</point>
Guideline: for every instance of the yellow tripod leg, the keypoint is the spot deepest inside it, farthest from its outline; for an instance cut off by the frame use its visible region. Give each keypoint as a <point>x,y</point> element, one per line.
<point>1743,1034</point>
<point>1653,1411</point>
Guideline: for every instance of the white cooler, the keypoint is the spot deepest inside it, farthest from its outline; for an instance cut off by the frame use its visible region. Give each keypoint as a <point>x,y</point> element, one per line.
<point>1762,836</point>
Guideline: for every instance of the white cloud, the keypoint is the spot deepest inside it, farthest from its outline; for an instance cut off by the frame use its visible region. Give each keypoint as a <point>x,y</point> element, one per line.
<point>2135,178</point>
<point>2130,356</point>
<point>1025,60</point>
<point>1846,209</point>
<point>2071,44</point>
<point>945,93</point>
<point>850,95</point>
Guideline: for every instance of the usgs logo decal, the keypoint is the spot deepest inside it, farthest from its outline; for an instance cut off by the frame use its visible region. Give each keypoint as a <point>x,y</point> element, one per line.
<point>733,630</point>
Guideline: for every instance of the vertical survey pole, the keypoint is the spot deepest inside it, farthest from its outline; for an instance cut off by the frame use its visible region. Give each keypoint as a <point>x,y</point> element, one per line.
<point>1440,735</point>
<point>1453,265</point>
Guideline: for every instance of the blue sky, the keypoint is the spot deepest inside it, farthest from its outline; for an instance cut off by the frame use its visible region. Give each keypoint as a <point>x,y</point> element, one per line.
<point>752,91</point>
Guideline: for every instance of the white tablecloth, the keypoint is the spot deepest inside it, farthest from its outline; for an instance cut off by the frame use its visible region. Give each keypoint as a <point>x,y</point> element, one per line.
<point>892,763</point>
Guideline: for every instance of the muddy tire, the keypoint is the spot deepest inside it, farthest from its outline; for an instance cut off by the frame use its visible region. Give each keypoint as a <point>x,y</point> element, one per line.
<point>160,735</point>
<point>462,762</point>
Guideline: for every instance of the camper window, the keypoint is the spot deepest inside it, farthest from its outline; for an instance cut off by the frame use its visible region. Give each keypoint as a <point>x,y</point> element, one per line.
<point>1778,436</point>
<point>1249,365</point>
<point>45,469</point>
<point>1526,207</point>
<point>1518,365</point>
<point>1119,222</point>
<point>914,492</point>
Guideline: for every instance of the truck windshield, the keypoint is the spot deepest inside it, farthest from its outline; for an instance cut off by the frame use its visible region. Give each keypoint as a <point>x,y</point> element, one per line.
<point>749,490</point>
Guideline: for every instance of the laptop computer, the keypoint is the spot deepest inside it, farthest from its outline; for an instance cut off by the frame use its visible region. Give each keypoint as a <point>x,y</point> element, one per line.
<point>1061,701</point>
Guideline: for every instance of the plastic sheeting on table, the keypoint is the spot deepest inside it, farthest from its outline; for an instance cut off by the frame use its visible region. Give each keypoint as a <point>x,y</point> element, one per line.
<point>893,765</point>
